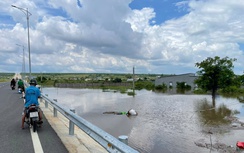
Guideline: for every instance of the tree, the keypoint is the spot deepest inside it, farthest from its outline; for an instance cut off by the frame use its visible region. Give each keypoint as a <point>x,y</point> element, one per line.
<point>215,73</point>
<point>242,79</point>
<point>117,80</point>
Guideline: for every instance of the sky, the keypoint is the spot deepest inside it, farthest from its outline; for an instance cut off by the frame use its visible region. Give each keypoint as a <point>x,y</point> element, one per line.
<point>113,36</point>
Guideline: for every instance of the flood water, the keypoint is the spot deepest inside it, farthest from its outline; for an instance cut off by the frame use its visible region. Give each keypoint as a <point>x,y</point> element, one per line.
<point>165,123</point>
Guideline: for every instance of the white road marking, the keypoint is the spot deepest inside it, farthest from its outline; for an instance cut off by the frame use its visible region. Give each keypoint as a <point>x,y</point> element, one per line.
<point>36,142</point>
<point>34,136</point>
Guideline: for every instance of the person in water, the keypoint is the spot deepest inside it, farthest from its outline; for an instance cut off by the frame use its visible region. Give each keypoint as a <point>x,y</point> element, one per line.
<point>131,112</point>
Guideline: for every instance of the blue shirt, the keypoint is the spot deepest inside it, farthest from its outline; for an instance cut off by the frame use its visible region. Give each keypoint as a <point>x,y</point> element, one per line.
<point>31,96</point>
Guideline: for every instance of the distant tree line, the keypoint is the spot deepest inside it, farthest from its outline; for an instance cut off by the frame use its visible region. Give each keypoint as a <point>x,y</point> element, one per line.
<point>215,76</point>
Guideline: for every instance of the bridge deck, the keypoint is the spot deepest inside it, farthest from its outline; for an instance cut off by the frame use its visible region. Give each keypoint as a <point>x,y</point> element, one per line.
<point>52,137</point>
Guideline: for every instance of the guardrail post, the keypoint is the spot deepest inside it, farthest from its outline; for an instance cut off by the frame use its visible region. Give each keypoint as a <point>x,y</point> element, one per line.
<point>124,139</point>
<point>46,103</point>
<point>55,113</point>
<point>71,124</point>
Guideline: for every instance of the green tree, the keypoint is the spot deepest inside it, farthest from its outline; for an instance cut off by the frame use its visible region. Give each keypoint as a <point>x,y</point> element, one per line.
<point>215,73</point>
<point>242,79</point>
<point>41,79</point>
<point>148,85</point>
<point>117,80</point>
<point>183,86</point>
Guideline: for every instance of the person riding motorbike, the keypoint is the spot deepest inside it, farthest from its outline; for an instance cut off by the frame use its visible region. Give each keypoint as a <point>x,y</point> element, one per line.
<point>32,93</point>
<point>21,85</point>
<point>13,83</point>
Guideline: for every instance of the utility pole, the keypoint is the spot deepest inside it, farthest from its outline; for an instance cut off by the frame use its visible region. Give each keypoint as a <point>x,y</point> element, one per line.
<point>28,14</point>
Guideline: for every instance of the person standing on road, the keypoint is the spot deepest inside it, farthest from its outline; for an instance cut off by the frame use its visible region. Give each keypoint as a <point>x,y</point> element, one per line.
<point>32,93</point>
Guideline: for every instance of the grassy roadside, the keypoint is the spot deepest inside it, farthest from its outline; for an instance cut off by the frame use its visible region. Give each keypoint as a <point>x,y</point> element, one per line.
<point>6,77</point>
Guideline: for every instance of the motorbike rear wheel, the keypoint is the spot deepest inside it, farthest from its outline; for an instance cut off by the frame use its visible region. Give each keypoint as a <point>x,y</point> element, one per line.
<point>34,126</point>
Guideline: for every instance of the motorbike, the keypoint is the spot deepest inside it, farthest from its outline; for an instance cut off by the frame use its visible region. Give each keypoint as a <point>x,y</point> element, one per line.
<point>32,117</point>
<point>20,90</point>
<point>13,87</point>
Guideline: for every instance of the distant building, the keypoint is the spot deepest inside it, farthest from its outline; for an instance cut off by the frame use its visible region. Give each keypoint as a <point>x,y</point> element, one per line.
<point>131,79</point>
<point>173,79</point>
<point>88,79</point>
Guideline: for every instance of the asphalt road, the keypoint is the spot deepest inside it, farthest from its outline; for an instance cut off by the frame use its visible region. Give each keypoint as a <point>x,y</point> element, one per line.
<point>13,139</point>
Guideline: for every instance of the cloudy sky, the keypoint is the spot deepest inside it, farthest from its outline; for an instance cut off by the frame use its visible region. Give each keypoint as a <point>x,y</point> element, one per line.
<point>112,36</point>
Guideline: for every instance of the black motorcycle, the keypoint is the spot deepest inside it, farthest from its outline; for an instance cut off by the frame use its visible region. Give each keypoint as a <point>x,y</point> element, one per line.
<point>13,87</point>
<point>32,117</point>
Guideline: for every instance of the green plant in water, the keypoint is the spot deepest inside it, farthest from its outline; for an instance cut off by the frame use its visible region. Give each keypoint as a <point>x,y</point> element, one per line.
<point>131,93</point>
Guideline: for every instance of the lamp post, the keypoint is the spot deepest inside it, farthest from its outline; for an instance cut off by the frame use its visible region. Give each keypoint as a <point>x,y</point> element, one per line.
<point>28,14</point>
<point>23,66</point>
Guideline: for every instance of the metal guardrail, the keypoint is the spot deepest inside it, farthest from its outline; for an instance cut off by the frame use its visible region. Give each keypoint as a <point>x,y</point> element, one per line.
<point>110,143</point>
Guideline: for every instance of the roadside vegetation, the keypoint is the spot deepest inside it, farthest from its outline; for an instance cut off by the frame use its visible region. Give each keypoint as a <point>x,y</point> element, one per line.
<point>6,77</point>
<point>214,77</point>
<point>216,68</point>
<point>122,83</point>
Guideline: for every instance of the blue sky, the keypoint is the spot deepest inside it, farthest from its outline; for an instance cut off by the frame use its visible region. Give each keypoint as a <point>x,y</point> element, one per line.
<point>113,36</point>
<point>164,9</point>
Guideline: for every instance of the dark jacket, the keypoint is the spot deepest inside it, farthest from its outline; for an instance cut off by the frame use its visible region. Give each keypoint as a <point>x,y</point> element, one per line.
<point>13,82</point>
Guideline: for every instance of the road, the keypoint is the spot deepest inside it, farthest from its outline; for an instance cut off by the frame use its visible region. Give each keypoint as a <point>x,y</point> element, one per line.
<point>13,139</point>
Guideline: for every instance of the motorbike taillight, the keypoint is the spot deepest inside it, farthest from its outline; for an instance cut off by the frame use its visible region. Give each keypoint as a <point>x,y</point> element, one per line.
<point>32,108</point>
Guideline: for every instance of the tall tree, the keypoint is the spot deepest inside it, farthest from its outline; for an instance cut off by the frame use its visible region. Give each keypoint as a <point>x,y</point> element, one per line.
<point>215,73</point>
<point>242,79</point>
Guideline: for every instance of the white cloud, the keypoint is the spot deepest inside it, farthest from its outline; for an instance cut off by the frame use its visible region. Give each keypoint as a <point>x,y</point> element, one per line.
<point>108,36</point>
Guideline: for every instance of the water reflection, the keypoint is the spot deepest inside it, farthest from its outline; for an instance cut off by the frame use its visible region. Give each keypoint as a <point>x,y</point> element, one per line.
<point>183,91</point>
<point>167,123</point>
<point>211,115</point>
<point>241,99</point>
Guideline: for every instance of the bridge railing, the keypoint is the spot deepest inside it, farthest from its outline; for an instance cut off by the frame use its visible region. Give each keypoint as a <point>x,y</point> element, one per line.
<point>110,143</point>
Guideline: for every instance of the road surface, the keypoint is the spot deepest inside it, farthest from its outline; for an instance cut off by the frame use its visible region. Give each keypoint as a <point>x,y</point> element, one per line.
<point>13,139</point>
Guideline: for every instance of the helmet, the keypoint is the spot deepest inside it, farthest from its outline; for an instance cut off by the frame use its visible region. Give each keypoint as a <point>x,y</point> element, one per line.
<point>33,82</point>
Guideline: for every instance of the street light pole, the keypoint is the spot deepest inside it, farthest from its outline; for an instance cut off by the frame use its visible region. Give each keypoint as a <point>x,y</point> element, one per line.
<point>28,14</point>
<point>23,67</point>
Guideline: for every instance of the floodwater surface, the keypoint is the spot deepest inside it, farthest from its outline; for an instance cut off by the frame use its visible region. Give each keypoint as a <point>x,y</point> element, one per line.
<point>166,123</point>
